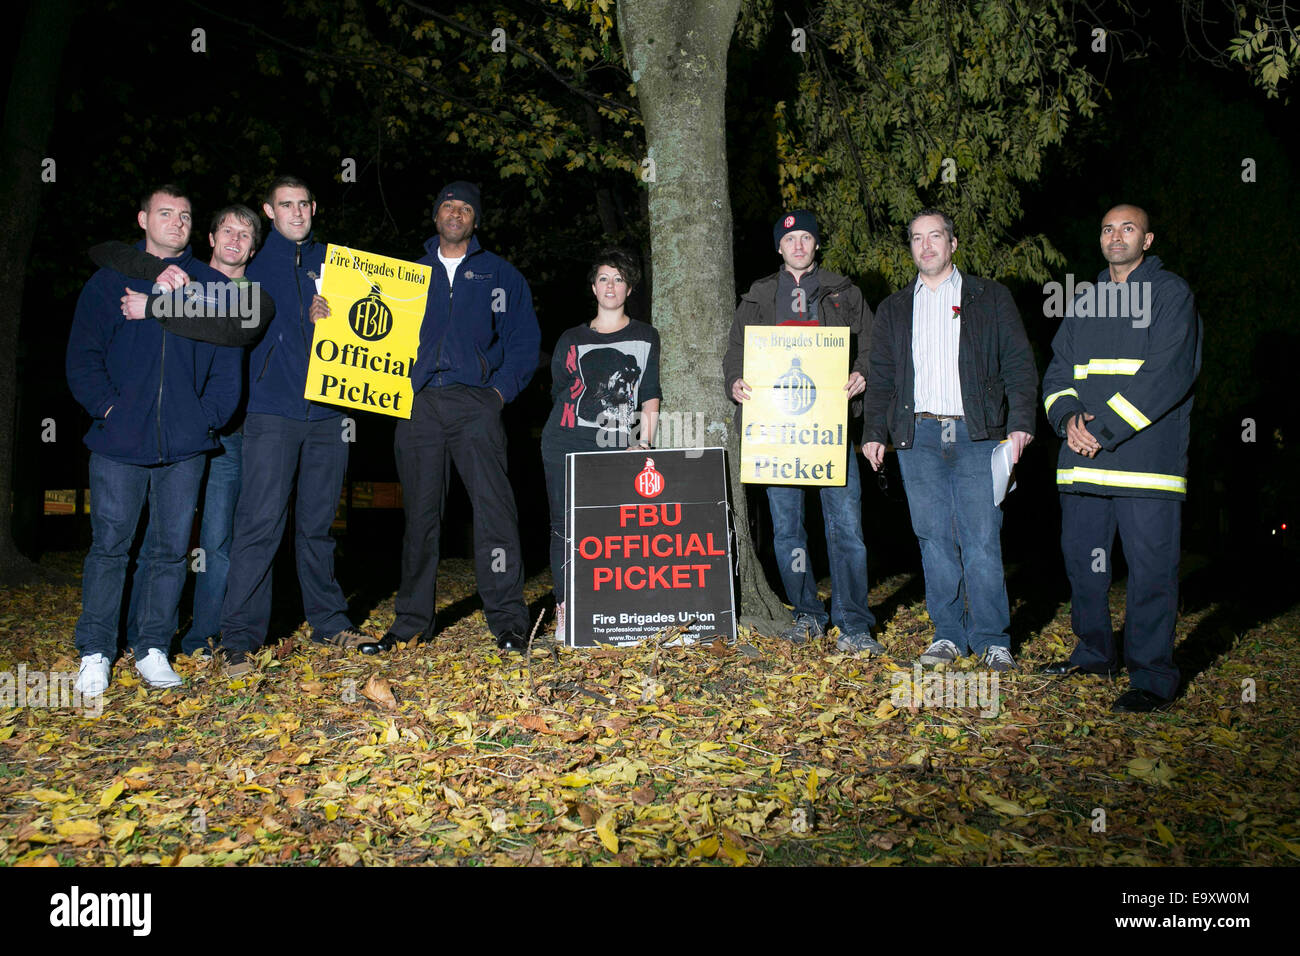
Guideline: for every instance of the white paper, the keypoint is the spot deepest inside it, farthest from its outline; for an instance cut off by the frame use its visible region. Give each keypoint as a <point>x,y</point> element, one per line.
<point>1002,469</point>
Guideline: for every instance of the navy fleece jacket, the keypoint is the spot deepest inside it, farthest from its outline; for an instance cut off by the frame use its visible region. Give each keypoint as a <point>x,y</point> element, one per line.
<point>277,369</point>
<point>480,332</point>
<point>155,398</point>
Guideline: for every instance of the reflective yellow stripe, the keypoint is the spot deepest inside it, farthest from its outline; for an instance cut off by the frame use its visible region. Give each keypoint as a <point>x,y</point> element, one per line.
<point>1120,479</point>
<point>1047,402</point>
<point>1108,367</point>
<point>1128,411</point>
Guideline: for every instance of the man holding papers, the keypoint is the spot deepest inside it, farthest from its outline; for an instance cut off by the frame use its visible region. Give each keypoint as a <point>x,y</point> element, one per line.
<point>951,375</point>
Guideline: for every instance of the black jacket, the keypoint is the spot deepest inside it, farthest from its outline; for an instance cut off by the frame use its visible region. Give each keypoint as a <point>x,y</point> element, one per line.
<point>999,382</point>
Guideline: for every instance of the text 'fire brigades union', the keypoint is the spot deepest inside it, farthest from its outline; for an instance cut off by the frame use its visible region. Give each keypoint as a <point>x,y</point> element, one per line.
<point>795,428</point>
<point>363,351</point>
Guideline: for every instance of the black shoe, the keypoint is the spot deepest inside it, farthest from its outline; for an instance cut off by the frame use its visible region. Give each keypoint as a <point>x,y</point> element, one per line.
<point>1066,669</point>
<point>386,644</point>
<point>1135,700</point>
<point>512,641</point>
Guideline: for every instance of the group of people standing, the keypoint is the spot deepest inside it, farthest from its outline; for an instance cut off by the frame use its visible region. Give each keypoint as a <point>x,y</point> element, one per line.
<point>947,373</point>
<point>163,370</point>
<point>944,370</point>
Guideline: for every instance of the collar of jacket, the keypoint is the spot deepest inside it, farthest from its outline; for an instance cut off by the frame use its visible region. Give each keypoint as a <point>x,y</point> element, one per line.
<point>280,247</point>
<point>1146,269</point>
<point>972,287</point>
<point>830,282</point>
<point>431,246</point>
<point>183,260</point>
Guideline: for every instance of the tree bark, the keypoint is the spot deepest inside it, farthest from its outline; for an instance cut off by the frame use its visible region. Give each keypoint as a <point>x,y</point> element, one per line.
<point>28,119</point>
<point>677,55</point>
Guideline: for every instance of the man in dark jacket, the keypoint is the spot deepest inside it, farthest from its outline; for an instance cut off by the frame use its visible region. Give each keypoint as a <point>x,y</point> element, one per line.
<point>158,402</point>
<point>802,294</point>
<point>290,444</point>
<point>232,313</point>
<point>952,375</point>
<point>478,348</point>
<point>1119,391</point>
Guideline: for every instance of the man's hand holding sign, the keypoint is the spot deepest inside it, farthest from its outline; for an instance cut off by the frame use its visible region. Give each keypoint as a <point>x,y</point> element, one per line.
<point>367,331</point>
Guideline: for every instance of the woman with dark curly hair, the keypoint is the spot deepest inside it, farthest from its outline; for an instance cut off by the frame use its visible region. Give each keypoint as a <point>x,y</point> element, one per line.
<point>605,383</point>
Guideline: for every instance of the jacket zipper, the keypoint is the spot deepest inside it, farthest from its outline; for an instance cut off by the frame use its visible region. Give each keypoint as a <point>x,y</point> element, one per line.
<point>297,284</point>
<point>451,293</point>
<point>162,368</point>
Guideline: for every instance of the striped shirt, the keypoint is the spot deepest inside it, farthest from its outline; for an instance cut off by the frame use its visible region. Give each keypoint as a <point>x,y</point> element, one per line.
<point>936,336</point>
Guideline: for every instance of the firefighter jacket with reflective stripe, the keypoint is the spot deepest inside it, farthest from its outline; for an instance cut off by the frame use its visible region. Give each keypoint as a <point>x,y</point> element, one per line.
<point>1128,354</point>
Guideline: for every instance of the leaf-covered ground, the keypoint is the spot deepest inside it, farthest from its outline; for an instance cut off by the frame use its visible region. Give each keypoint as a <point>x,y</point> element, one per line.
<point>755,753</point>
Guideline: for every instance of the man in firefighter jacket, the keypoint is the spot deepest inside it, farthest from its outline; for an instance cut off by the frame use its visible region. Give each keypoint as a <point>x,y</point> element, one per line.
<point>1119,391</point>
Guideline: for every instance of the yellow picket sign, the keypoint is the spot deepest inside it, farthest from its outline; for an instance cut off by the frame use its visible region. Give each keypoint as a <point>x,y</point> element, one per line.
<point>795,424</point>
<point>361,355</point>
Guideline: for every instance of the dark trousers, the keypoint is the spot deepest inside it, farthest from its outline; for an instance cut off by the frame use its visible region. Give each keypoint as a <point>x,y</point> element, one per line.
<point>555,453</point>
<point>1150,529</point>
<point>281,455</point>
<point>457,424</point>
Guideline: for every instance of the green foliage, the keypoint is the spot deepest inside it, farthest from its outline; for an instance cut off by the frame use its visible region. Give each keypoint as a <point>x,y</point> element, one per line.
<point>536,89</point>
<point>1269,48</point>
<point>930,104</point>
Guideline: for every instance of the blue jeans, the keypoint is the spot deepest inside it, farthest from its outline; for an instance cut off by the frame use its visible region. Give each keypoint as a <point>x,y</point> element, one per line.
<point>950,495</point>
<point>220,492</point>
<point>842,511</point>
<point>117,496</point>
<point>281,455</point>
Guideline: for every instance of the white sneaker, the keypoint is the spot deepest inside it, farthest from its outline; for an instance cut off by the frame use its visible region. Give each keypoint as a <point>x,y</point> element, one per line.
<point>92,675</point>
<point>156,671</point>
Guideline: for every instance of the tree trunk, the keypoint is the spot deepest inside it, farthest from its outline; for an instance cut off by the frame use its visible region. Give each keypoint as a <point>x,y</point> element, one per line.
<point>677,55</point>
<point>28,119</point>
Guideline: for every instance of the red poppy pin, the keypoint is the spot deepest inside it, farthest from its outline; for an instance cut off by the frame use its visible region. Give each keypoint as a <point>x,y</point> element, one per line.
<point>956,312</point>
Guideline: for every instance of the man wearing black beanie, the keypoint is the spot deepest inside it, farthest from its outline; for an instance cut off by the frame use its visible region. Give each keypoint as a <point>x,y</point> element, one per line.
<point>802,294</point>
<point>478,349</point>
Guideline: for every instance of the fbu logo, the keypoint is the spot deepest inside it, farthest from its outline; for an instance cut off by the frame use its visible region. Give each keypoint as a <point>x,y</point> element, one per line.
<point>649,482</point>
<point>796,392</point>
<point>370,318</point>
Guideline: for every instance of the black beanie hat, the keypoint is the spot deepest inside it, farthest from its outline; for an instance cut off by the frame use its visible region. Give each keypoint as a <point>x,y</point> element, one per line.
<point>799,220</point>
<point>465,192</point>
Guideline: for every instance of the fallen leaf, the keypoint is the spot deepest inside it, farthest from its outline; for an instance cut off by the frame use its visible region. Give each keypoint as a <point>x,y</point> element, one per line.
<point>605,830</point>
<point>999,804</point>
<point>534,722</point>
<point>112,793</point>
<point>380,691</point>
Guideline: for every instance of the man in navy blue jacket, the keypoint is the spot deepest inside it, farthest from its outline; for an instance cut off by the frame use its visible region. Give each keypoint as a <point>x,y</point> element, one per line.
<point>478,348</point>
<point>289,443</point>
<point>1119,391</point>
<point>158,402</point>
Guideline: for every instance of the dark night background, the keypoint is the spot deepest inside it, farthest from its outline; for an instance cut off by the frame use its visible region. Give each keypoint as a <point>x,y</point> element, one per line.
<point>138,107</point>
